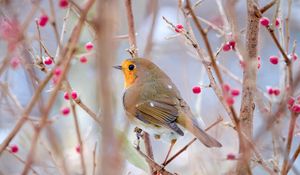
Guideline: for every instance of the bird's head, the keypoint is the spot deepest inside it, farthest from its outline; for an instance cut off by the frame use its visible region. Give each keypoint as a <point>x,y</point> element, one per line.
<point>136,68</point>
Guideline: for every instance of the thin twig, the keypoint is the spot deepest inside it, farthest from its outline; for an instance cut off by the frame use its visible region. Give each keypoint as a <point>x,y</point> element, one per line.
<point>94,159</point>
<point>131,29</point>
<point>191,142</point>
<point>267,6</point>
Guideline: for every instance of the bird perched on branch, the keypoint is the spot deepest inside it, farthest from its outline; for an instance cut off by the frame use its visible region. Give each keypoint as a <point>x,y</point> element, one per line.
<point>153,102</point>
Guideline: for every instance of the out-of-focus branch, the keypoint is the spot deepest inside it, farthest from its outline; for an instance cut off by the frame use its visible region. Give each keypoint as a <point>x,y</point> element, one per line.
<point>293,120</point>
<point>131,30</point>
<point>106,18</point>
<point>67,57</point>
<point>149,45</point>
<point>295,156</point>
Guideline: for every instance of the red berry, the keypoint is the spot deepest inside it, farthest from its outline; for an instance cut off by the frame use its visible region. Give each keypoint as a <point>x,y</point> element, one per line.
<point>274,59</point>
<point>235,92</point>
<point>65,111</point>
<point>231,156</point>
<point>230,101</point>
<point>259,63</point>
<point>196,90</point>
<point>66,96</point>
<point>48,61</point>
<point>276,91</point>
<point>83,59</point>
<point>57,71</point>
<point>226,47</point>
<point>232,44</point>
<point>296,108</point>
<point>290,102</point>
<point>14,149</point>
<point>179,28</point>
<point>264,21</point>
<point>43,20</point>
<point>277,22</point>
<point>78,149</point>
<point>15,62</point>
<point>63,3</point>
<point>226,87</point>
<point>89,46</point>
<point>74,95</point>
<point>270,91</point>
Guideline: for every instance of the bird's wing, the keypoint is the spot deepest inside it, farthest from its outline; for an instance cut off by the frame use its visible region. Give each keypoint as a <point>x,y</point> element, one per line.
<point>158,113</point>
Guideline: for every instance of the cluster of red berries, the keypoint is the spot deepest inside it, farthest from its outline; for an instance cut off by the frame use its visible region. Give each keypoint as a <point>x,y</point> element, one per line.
<point>294,104</point>
<point>264,21</point>
<point>273,91</point>
<point>88,47</point>
<point>228,46</point>
<point>66,110</point>
<point>229,94</point>
<point>43,19</point>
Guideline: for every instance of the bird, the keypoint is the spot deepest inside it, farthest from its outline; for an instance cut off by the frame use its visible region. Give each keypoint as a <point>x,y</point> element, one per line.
<point>152,102</point>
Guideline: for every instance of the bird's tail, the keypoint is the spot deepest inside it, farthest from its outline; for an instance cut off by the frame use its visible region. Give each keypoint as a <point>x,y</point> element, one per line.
<point>192,126</point>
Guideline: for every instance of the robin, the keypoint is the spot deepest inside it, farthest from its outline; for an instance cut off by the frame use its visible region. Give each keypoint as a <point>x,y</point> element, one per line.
<point>153,102</point>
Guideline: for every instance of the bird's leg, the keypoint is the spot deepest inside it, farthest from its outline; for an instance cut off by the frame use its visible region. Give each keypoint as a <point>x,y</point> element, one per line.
<point>169,151</point>
<point>139,134</point>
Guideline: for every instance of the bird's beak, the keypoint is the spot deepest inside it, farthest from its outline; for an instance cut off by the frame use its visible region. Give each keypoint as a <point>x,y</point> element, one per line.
<point>118,67</point>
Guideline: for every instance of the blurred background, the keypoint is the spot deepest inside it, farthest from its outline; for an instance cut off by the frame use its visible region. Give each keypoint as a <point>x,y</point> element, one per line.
<point>171,52</point>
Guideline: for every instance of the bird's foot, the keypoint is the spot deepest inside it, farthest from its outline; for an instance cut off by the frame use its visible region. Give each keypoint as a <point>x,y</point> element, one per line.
<point>139,135</point>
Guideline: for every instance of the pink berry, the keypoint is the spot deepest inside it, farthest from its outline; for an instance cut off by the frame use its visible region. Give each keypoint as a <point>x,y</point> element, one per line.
<point>83,59</point>
<point>196,90</point>
<point>259,63</point>
<point>296,108</point>
<point>270,91</point>
<point>232,44</point>
<point>66,96</point>
<point>293,56</point>
<point>48,61</point>
<point>230,101</point>
<point>274,59</point>
<point>65,111</point>
<point>179,28</point>
<point>226,87</point>
<point>264,21</point>
<point>276,91</point>
<point>43,20</point>
<point>235,92</point>
<point>277,22</point>
<point>231,156</point>
<point>57,71</point>
<point>14,149</point>
<point>15,62</point>
<point>63,3</point>
<point>74,95</point>
<point>78,149</point>
<point>89,46</point>
<point>226,47</point>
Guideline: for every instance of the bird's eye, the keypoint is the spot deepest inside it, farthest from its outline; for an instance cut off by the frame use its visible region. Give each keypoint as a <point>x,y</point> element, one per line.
<point>131,67</point>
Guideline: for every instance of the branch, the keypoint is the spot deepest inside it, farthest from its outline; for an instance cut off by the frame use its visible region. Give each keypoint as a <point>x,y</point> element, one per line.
<point>267,7</point>
<point>249,87</point>
<point>153,164</point>
<point>191,142</point>
<point>131,30</point>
